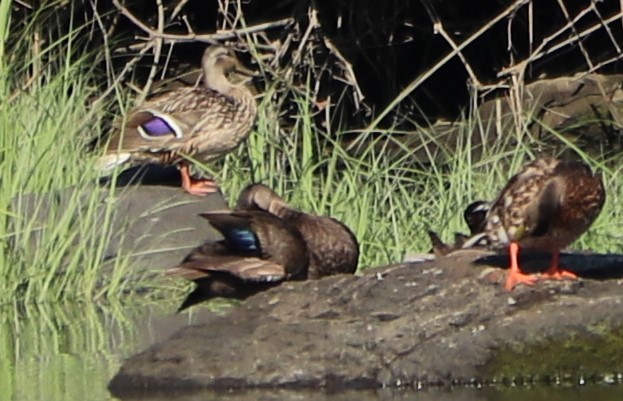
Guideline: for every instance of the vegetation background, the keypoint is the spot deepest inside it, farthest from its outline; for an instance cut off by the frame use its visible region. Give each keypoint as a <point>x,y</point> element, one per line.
<point>369,112</point>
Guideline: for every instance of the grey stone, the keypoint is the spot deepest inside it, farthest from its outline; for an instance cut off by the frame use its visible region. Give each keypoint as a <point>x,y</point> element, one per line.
<point>153,226</point>
<point>410,328</point>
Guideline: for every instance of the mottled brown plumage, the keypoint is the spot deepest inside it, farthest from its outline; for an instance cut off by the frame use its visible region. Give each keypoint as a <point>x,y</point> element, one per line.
<point>333,248</point>
<point>258,251</point>
<point>203,122</point>
<point>546,206</point>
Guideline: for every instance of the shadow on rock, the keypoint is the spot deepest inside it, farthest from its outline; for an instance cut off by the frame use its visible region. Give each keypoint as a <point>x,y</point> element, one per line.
<point>586,265</point>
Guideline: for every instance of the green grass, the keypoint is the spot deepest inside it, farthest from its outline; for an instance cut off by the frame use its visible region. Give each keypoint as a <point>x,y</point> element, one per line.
<point>46,124</point>
<point>391,201</point>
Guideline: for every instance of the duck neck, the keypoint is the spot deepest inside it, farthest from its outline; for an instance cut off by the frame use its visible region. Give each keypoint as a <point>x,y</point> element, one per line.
<point>281,209</point>
<point>215,78</point>
<point>277,207</point>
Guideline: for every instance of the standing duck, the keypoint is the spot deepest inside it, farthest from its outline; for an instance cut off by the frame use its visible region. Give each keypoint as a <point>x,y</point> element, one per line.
<point>546,206</point>
<point>204,122</point>
<point>332,247</point>
<point>258,252</point>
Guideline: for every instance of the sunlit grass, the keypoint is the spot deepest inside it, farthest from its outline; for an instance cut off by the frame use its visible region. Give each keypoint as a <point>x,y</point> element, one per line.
<point>390,201</point>
<point>52,246</point>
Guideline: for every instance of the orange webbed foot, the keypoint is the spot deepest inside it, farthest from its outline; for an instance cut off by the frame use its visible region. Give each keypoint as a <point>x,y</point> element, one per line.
<point>518,277</point>
<point>200,187</point>
<point>515,276</point>
<point>558,274</point>
<point>555,272</point>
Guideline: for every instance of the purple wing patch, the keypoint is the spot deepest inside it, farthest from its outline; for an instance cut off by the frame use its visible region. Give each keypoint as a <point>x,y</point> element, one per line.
<point>157,127</point>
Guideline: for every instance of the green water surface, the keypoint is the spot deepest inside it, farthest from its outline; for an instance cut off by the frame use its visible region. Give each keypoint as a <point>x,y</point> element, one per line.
<point>70,352</point>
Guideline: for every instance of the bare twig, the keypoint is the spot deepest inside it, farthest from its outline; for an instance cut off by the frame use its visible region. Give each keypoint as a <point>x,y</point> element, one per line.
<point>192,37</point>
<point>298,53</point>
<point>107,56</point>
<point>614,112</point>
<point>188,26</point>
<point>24,4</point>
<point>312,24</point>
<point>604,63</point>
<point>517,70</point>
<point>541,51</point>
<point>166,64</point>
<point>178,9</point>
<point>157,51</point>
<point>516,102</point>
<point>605,26</point>
<point>565,12</point>
<point>531,25</point>
<point>351,78</point>
<point>438,28</point>
<point>422,78</point>
<point>128,67</point>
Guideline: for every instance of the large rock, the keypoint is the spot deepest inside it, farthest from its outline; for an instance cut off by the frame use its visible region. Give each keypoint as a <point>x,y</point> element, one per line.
<point>154,227</point>
<point>442,321</point>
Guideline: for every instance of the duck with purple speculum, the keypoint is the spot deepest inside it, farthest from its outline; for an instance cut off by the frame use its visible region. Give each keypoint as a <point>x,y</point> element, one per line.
<point>204,122</point>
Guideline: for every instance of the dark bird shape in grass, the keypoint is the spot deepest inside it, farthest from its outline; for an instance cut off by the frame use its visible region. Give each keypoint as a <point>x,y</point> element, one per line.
<point>474,215</point>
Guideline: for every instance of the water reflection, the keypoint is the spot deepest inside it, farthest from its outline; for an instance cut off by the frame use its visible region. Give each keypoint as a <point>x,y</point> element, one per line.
<point>597,392</point>
<point>70,351</point>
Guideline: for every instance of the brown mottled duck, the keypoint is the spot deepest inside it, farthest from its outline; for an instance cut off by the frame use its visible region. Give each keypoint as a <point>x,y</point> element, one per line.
<point>203,122</point>
<point>545,206</point>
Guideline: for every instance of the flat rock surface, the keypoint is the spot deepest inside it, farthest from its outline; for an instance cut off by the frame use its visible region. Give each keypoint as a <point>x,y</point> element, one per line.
<point>435,322</point>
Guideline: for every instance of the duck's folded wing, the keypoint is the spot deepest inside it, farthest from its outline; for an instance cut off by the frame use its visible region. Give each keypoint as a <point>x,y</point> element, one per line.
<point>245,268</point>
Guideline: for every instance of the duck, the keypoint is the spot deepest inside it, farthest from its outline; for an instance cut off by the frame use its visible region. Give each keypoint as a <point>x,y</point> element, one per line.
<point>258,251</point>
<point>332,246</point>
<point>474,216</point>
<point>203,122</point>
<point>546,206</point>
<point>440,248</point>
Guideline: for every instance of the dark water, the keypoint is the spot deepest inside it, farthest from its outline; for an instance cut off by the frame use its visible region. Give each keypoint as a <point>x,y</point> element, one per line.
<point>69,352</point>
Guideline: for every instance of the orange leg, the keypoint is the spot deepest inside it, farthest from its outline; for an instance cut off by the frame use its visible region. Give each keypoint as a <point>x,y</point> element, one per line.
<point>515,276</point>
<point>554,272</point>
<point>196,187</point>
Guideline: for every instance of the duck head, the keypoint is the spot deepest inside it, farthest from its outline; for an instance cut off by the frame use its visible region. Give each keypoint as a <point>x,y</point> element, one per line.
<point>218,62</point>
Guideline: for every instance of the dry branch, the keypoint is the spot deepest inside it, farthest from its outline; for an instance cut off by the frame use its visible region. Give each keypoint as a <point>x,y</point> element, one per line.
<point>212,38</point>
